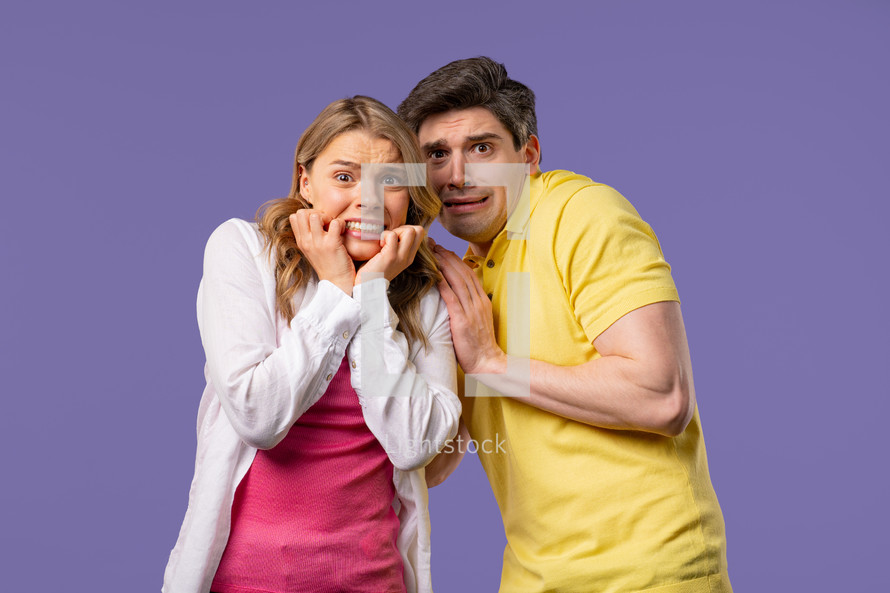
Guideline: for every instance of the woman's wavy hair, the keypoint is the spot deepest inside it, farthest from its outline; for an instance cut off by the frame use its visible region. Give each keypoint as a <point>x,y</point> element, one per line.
<point>292,271</point>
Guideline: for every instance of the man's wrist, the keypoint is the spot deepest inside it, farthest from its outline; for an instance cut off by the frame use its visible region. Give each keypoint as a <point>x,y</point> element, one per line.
<point>510,376</point>
<point>493,364</point>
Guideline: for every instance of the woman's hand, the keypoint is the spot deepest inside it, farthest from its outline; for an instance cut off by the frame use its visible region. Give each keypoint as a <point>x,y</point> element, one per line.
<point>324,249</point>
<point>398,248</point>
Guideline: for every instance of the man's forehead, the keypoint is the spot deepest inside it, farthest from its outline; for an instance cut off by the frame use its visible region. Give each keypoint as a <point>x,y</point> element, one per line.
<point>474,124</point>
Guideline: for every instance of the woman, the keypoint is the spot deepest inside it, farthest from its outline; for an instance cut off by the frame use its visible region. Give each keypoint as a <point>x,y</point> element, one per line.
<point>307,476</point>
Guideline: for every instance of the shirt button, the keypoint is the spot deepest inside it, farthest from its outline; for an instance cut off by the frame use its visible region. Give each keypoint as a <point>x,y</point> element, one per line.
<point>353,364</point>
<point>345,335</point>
<point>328,378</point>
<point>490,263</point>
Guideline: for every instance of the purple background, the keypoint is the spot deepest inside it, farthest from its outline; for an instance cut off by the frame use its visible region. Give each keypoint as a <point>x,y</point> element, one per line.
<point>753,138</point>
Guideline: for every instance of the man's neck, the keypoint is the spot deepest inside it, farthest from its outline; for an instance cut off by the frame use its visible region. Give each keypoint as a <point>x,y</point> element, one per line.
<point>480,249</point>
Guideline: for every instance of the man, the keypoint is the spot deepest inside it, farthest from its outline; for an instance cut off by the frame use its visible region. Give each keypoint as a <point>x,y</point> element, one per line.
<point>601,477</point>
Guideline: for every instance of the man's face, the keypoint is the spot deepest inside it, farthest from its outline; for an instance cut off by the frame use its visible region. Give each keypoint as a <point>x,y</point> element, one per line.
<point>453,139</point>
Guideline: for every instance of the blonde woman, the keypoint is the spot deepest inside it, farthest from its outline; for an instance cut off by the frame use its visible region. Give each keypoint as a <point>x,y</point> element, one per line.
<point>323,402</point>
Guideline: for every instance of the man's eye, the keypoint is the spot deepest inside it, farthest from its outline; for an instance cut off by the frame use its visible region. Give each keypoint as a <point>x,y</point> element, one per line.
<point>437,154</point>
<point>483,148</point>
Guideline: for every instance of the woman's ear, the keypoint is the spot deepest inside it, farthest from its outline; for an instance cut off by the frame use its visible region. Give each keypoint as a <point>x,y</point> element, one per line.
<point>305,191</point>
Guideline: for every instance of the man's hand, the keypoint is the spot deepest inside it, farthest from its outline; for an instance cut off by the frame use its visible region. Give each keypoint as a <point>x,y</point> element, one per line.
<point>398,248</point>
<point>324,249</point>
<point>641,381</point>
<point>472,324</point>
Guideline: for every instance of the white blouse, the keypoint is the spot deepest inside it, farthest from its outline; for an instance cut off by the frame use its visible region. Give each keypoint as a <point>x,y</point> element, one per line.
<point>262,375</point>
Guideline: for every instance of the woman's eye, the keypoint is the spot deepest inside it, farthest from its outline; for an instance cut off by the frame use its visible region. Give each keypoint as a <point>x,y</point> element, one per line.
<point>343,177</point>
<point>391,180</point>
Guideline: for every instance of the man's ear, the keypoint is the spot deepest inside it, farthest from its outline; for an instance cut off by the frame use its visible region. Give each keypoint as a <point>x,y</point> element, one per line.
<point>305,190</point>
<point>533,154</point>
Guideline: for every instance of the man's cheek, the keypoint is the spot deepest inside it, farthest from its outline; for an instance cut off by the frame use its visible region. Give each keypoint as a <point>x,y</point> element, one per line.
<point>437,182</point>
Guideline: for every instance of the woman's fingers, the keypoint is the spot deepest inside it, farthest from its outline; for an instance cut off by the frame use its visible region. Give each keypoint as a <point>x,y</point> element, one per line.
<point>409,242</point>
<point>316,225</point>
<point>299,224</point>
<point>319,239</point>
<point>308,224</point>
<point>419,235</point>
<point>398,247</point>
<point>389,242</point>
<point>335,229</point>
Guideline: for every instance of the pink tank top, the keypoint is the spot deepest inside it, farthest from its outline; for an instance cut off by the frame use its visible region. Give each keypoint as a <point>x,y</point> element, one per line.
<point>315,512</point>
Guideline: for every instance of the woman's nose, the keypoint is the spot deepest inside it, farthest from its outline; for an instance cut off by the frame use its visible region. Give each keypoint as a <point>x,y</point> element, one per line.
<point>370,199</point>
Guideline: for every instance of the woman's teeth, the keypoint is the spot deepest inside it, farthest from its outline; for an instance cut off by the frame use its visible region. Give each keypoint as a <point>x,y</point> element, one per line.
<point>365,227</point>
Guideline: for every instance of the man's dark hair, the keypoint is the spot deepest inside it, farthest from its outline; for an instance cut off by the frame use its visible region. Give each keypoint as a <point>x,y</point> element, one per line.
<point>474,82</point>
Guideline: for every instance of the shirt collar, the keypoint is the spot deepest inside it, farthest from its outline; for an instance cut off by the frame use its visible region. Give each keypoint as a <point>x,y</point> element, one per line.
<point>517,222</point>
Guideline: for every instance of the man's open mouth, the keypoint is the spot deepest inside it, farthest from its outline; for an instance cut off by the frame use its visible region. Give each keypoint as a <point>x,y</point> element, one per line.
<point>464,202</point>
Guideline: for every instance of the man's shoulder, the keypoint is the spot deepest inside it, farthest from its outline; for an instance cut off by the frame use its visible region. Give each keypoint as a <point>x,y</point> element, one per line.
<point>558,188</point>
<point>562,181</point>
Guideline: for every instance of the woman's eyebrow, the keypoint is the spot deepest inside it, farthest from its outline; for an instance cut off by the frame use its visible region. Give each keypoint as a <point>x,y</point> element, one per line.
<point>345,164</point>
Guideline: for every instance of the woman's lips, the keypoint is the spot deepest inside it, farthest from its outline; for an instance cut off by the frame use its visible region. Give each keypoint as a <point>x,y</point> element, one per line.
<point>364,230</point>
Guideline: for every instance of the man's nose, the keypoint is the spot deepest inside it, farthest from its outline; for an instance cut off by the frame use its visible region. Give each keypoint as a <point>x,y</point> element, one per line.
<point>457,178</point>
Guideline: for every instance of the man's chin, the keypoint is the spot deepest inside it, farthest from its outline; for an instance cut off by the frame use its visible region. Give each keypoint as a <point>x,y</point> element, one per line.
<point>453,228</point>
<point>463,231</point>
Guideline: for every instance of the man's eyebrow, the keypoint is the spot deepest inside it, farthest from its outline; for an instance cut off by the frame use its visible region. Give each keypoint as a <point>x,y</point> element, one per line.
<point>484,137</point>
<point>439,143</point>
<point>433,145</point>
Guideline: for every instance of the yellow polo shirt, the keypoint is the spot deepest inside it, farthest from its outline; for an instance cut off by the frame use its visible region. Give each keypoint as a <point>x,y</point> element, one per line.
<point>584,508</point>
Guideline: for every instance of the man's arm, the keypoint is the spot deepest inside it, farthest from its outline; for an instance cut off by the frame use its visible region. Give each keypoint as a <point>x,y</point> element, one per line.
<point>642,381</point>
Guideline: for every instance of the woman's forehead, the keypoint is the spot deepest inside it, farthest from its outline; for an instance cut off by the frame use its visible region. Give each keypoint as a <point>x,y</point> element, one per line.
<point>360,146</point>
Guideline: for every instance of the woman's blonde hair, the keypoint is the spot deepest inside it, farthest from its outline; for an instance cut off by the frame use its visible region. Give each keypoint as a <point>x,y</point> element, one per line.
<point>292,270</point>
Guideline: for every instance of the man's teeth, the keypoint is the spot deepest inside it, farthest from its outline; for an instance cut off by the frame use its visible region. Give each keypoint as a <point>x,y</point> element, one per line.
<point>365,227</point>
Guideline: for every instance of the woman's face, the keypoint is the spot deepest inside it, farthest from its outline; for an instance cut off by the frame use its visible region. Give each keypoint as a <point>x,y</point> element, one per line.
<point>333,186</point>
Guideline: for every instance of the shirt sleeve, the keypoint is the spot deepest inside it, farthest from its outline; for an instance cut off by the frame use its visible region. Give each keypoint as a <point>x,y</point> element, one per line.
<point>262,386</point>
<point>609,258</point>
<point>408,394</point>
